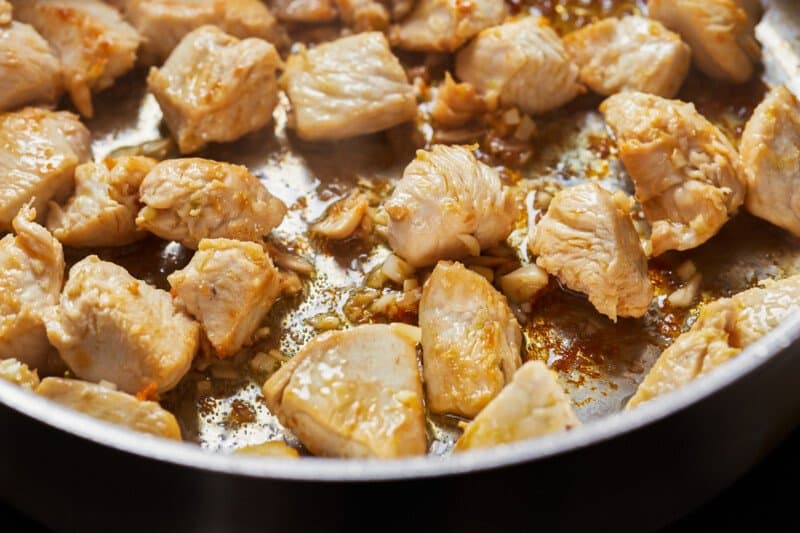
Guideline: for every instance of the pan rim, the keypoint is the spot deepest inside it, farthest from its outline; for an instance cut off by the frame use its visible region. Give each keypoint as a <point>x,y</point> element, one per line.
<point>189,455</point>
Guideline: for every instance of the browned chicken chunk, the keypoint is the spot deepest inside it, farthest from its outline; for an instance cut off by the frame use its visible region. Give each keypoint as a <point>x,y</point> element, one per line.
<point>188,200</point>
<point>723,329</point>
<point>102,211</point>
<point>687,174</point>
<point>31,274</point>
<point>532,405</point>
<point>588,241</point>
<point>448,205</point>
<point>18,373</point>
<point>313,11</point>
<point>95,45</point>
<point>216,88</point>
<point>445,25</point>
<point>364,15</point>
<point>470,340</point>
<point>30,73</point>
<point>354,393</point>
<point>770,149</point>
<point>520,64</point>
<point>720,33</point>
<point>5,12</point>
<point>110,326</point>
<point>110,405</point>
<point>630,54</point>
<point>348,87</point>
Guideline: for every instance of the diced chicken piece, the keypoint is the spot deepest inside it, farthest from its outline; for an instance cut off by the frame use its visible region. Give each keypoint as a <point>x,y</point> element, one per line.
<point>630,54</point>
<point>364,15</point>
<point>456,103</point>
<point>228,286</point>
<point>723,329</point>
<point>348,87</point>
<point>470,340</point>
<point>5,12</point>
<point>187,200</point>
<point>687,174</point>
<point>110,326</point>
<point>532,405</point>
<point>588,241</point>
<point>163,23</point>
<point>354,393</point>
<point>102,211</point>
<point>720,33</point>
<point>314,11</point>
<point>112,406</point>
<point>448,205</point>
<point>273,448</point>
<point>445,25</point>
<point>19,373</point>
<point>29,71</point>
<point>31,275</point>
<point>523,284</point>
<point>216,88</point>
<point>520,64</point>
<point>344,217</point>
<point>95,45</point>
<point>770,151</point>
<point>39,151</point>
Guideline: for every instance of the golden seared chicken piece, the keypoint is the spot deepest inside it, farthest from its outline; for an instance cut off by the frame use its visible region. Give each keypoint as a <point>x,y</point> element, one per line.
<point>191,199</point>
<point>588,241</point>
<point>364,15</point>
<point>163,23</point>
<point>348,87</point>
<point>630,54</point>
<point>520,64</point>
<point>216,88</point>
<point>448,205</point>
<point>354,393</point>
<point>111,326</point>
<point>31,274</point>
<point>5,12</point>
<point>313,11</point>
<point>103,402</point>
<point>770,149</point>
<point>723,329</point>
<point>39,150</point>
<point>228,286</point>
<point>102,211</point>
<point>532,405</point>
<point>687,174</point>
<point>273,448</point>
<point>30,73</point>
<point>95,45</point>
<point>19,373</point>
<point>470,340</point>
<point>720,33</point>
<point>445,25</point>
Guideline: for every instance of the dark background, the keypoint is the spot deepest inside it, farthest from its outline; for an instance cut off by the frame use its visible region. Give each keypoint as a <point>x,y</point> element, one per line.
<point>766,499</point>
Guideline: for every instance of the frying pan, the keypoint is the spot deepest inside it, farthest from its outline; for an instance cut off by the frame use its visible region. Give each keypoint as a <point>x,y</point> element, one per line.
<point>634,469</point>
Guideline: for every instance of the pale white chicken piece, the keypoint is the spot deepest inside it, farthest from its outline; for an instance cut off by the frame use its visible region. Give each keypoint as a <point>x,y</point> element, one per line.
<point>354,393</point>
<point>5,12</point>
<point>163,23</point>
<point>445,25</point>
<point>770,150</point>
<point>630,54</point>
<point>18,373</point>
<point>687,174</point>
<point>588,241</point>
<point>520,64</point>
<point>102,211</point>
<point>216,88</point>
<point>723,329</point>
<point>31,274</point>
<point>110,326</point>
<point>719,32</point>
<point>39,150</point>
<point>29,71</point>
<point>95,45</point>
<point>228,286</point>
<point>191,199</point>
<point>312,11</point>
<point>113,406</point>
<point>348,87</point>
<point>470,340</point>
<point>448,205</point>
<point>364,15</point>
<point>532,405</point>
